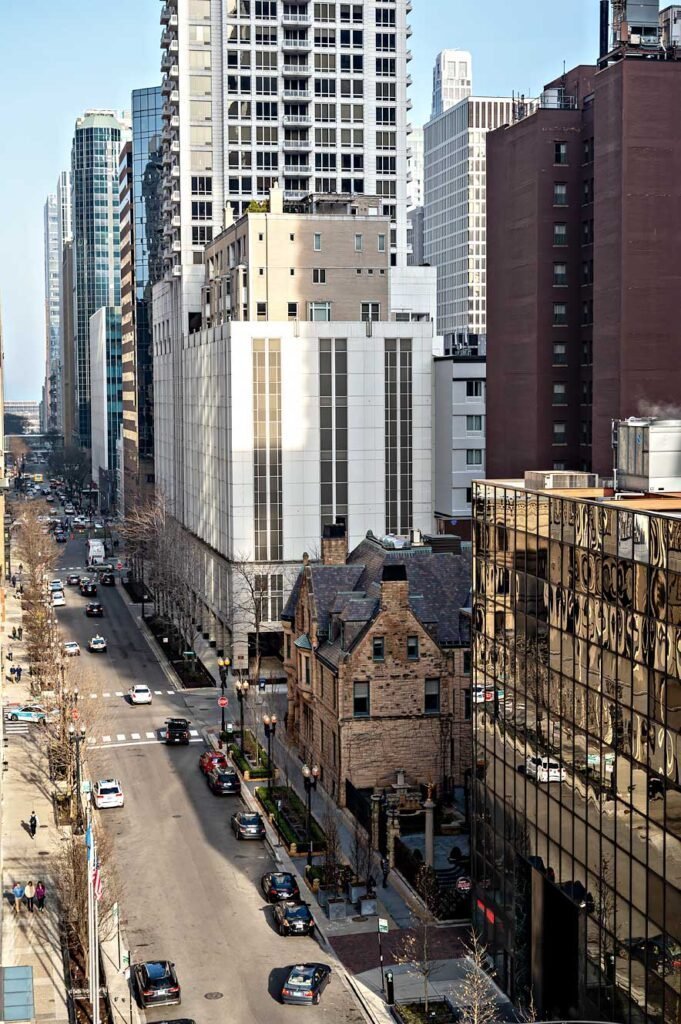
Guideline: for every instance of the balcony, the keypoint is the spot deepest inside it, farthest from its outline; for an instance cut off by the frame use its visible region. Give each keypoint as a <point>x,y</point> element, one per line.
<point>409,55</point>
<point>175,146</point>
<point>297,120</point>
<point>177,245</point>
<point>175,196</point>
<point>166,86</point>
<point>166,134</point>
<point>167,111</point>
<point>166,62</point>
<point>174,71</point>
<point>304,95</point>
<point>165,14</point>
<point>175,96</point>
<point>296,45</point>
<point>297,170</point>
<point>297,145</point>
<point>176,221</point>
<point>301,70</point>
<point>293,20</point>
<point>294,195</point>
<point>175,121</point>
<point>177,270</point>
<point>167,205</point>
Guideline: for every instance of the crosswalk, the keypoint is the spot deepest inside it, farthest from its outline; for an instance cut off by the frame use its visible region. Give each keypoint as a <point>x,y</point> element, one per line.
<point>120,739</point>
<point>108,694</point>
<point>16,727</point>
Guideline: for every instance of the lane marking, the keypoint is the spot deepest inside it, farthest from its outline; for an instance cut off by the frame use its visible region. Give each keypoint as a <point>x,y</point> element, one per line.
<point>150,735</point>
<point>93,696</point>
<point>170,692</point>
<point>119,693</point>
<point>193,732</point>
<point>120,735</point>
<point>106,695</point>
<point>158,692</point>
<point>134,736</point>
<point>140,743</point>
<point>106,739</point>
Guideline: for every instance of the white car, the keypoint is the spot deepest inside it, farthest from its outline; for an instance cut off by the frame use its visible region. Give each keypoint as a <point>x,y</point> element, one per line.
<point>140,694</point>
<point>71,648</point>
<point>107,793</point>
<point>97,644</point>
<point>56,585</point>
<point>58,599</point>
<point>69,510</point>
<point>544,769</point>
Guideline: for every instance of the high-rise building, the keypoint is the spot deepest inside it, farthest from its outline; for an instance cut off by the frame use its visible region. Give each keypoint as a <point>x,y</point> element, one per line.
<point>452,80</point>
<point>584,263</point>
<point>66,397</point>
<point>96,239</point>
<point>141,266</point>
<point>415,169</point>
<point>106,401</point>
<point>52,387</point>
<point>68,362</point>
<point>576,795</point>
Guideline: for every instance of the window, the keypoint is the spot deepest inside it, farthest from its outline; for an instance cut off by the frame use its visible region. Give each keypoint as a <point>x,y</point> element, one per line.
<point>560,234</point>
<point>431,703</point>
<point>560,432</point>
<point>261,311</point>
<point>559,353</point>
<point>379,648</point>
<point>560,193</point>
<point>473,389</point>
<point>473,424</point>
<point>317,245</point>
<point>360,700</point>
<point>560,275</point>
<point>358,243</point>
<point>381,243</point>
<point>474,457</point>
<point>469,495</point>
<point>467,706</point>
<point>466,663</point>
<point>319,311</point>
<point>559,314</point>
<point>293,310</point>
<point>371,311</point>
<point>413,648</point>
<point>560,153</point>
<point>559,393</point>
<point>318,275</point>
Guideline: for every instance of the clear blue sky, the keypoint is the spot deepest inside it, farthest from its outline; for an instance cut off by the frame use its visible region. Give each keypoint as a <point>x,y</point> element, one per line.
<point>57,59</point>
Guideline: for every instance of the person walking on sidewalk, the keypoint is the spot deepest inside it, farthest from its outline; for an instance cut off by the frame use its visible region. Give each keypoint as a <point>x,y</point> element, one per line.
<point>17,673</point>
<point>20,632</point>
<point>13,581</point>
<point>29,893</point>
<point>9,654</point>
<point>33,824</point>
<point>385,871</point>
<point>40,896</point>
<point>18,893</point>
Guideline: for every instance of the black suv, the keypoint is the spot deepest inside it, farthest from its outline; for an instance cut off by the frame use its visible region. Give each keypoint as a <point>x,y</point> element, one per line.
<point>94,610</point>
<point>177,730</point>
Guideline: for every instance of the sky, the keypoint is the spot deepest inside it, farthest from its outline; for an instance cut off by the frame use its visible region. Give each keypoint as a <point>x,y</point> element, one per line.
<point>58,59</point>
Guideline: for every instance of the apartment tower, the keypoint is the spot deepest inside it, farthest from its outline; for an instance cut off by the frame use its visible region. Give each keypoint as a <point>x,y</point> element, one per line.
<point>452,79</point>
<point>52,386</point>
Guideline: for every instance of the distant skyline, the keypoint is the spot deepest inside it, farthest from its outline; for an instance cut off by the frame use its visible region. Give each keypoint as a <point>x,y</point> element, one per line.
<point>79,62</point>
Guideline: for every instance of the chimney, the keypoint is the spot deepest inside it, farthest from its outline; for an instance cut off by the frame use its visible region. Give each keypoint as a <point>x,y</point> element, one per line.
<point>334,545</point>
<point>276,199</point>
<point>394,587</point>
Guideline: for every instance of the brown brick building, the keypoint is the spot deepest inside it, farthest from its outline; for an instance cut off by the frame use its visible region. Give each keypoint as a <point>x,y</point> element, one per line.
<point>583,265</point>
<point>376,647</point>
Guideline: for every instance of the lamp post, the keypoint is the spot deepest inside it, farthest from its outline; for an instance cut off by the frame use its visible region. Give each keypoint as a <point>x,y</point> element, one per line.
<point>77,736</point>
<point>270,723</point>
<point>241,687</point>
<point>310,776</point>
<point>223,665</point>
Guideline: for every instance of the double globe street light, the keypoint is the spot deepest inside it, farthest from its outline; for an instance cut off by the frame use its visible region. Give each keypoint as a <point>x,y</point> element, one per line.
<point>241,687</point>
<point>310,777</point>
<point>270,724</point>
<point>77,737</point>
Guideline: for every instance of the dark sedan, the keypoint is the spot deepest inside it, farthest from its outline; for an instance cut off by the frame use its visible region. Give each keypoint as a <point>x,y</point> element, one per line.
<point>73,579</point>
<point>223,782</point>
<point>279,885</point>
<point>88,588</point>
<point>156,983</point>
<point>305,984</point>
<point>107,579</point>
<point>293,918</point>
<point>94,610</point>
<point>247,825</point>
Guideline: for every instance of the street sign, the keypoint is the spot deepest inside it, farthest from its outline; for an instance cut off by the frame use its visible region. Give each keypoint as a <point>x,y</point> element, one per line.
<point>223,702</point>
<point>119,565</point>
<point>75,714</point>
<point>383,925</point>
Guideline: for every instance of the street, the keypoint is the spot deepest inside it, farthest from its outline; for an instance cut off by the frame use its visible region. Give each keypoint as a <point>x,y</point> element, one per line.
<point>190,891</point>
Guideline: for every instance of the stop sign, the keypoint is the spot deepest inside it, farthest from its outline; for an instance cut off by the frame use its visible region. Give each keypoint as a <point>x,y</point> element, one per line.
<point>119,565</point>
<point>222,702</point>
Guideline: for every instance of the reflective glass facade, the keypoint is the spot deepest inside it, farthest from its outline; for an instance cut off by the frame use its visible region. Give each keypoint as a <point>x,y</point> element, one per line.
<point>577,787</point>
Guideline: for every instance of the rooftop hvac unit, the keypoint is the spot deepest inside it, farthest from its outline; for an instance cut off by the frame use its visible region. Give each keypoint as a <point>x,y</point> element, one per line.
<point>648,454</point>
<point>539,480</point>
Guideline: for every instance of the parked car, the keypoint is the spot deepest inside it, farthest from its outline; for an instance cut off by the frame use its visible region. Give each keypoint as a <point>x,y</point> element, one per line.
<point>97,644</point>
<point>71,648</point>
<point>662,954</point>
<point>94,610</point>
<point>224,782</point>
<point>139,694</point>
<point>305,984</point>
<point>107,793</point>
<point>26,713</point>
<point>58,599</point>
<point>211,759</point>
<point>292,918</point>
<point>73,579</point>
<point>177,730</point>
<point>56,585</point>
<point>279,885</point>
<point>544,769</point>
<point>247,825</point>
<point>156,983</point>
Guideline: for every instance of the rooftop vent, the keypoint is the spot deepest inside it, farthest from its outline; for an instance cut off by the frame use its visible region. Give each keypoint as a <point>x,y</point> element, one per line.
<point>540,480</point>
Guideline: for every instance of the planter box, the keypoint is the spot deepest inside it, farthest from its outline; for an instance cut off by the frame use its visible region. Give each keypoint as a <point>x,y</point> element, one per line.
<point>324,894</point>
<point>368,906</point>
<point>336,909</point>
<point>355,892</point>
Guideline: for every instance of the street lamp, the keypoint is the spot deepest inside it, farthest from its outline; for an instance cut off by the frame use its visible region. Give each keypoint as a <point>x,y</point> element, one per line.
<point>310,776</point>
<point>241,687</point>
<point>77,736</point>
<point>223,665</point>
<point>270,723</point>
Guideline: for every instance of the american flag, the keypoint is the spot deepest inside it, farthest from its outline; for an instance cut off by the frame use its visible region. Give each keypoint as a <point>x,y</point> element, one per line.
<point>97,881</point>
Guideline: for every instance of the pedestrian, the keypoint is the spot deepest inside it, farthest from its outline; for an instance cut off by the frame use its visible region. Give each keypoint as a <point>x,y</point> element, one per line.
<point>29,893</point>
<point>14,580</point>
<point>21,568</point>
<point>20,633</point>
<point>33,824</point>
<point>12,674</point>
<point>9,653</point>
<point>40,896</point>
<point>17,673</point>
<point>18,893</point>
<point>385,871</point>
<point>14,632</point>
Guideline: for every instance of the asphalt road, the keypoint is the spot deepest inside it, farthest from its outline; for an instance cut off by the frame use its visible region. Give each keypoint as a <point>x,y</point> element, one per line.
<point>189,890</point>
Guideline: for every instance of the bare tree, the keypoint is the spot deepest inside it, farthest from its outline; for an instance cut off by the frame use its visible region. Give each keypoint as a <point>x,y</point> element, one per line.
<point>360,854</point>
<point>332,850</point>
<point>72,464</point>
<point>416,953</point>
<point>478,1003</point>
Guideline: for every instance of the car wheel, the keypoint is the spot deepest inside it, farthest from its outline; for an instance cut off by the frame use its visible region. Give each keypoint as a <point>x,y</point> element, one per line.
<point>13,718</point>
<point>317,997</point>
<point>282,931</point>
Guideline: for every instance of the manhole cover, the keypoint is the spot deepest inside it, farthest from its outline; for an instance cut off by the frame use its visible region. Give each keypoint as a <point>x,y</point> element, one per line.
<point>213,995</point>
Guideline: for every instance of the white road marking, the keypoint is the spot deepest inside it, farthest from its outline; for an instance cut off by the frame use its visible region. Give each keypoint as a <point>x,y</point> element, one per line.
<point>119,693</point>
<point>106,695</point>
<point>150,735</point>
<point>141,743</point>
<point>158,692</point>
<point>120,736</point>
<point>171,692</point>
<point>106,739</point>
<point>193,732</point>
<point>134,736</point>
<point>93,696</point>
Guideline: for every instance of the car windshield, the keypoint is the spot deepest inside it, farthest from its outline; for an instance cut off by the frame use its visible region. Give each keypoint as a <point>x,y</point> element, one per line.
<point>250,819</point>
<point>301,977</point>
<point>141,689</point>
<point>225,776</point>
<point>109,787</point>
<point>296,913</point>
<point>282,880</point>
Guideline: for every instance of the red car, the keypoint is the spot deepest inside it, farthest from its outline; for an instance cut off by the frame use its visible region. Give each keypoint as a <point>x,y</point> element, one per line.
<point>211,759</point>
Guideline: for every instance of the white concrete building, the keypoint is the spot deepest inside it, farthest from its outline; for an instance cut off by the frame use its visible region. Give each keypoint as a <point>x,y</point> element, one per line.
<point>52,255</point>
<point>452,80</point>
<point>415,168</point>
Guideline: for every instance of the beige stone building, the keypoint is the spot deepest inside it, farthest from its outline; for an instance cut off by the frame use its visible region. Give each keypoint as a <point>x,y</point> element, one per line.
<point>376,646</point>
<point>331,261</point>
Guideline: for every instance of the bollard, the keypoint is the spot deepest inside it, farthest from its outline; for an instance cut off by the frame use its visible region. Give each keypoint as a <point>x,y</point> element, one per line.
<point>389,988</point>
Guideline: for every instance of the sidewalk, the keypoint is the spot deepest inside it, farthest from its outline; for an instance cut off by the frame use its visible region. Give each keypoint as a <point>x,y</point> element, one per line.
<point>29,940</point>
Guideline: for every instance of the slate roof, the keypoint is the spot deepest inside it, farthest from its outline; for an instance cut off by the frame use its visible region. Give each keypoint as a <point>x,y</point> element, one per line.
<point>439,588</point>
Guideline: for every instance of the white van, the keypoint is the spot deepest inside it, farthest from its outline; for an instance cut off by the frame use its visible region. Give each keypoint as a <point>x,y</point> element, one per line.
<point>544,769</point>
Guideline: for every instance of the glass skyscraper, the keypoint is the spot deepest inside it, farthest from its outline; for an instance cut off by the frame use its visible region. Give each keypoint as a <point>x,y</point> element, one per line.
<point>96,240</point>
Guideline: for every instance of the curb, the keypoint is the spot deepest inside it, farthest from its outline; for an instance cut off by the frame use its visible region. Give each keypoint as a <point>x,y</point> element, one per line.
<point>168,671</point>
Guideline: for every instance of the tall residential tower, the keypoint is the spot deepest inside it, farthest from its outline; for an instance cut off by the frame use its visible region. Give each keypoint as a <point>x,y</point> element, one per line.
<point>52,387</point>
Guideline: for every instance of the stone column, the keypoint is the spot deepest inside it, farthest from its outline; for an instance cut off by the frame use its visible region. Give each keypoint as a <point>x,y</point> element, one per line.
<point>393,834</point>
<point>429,808</point>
